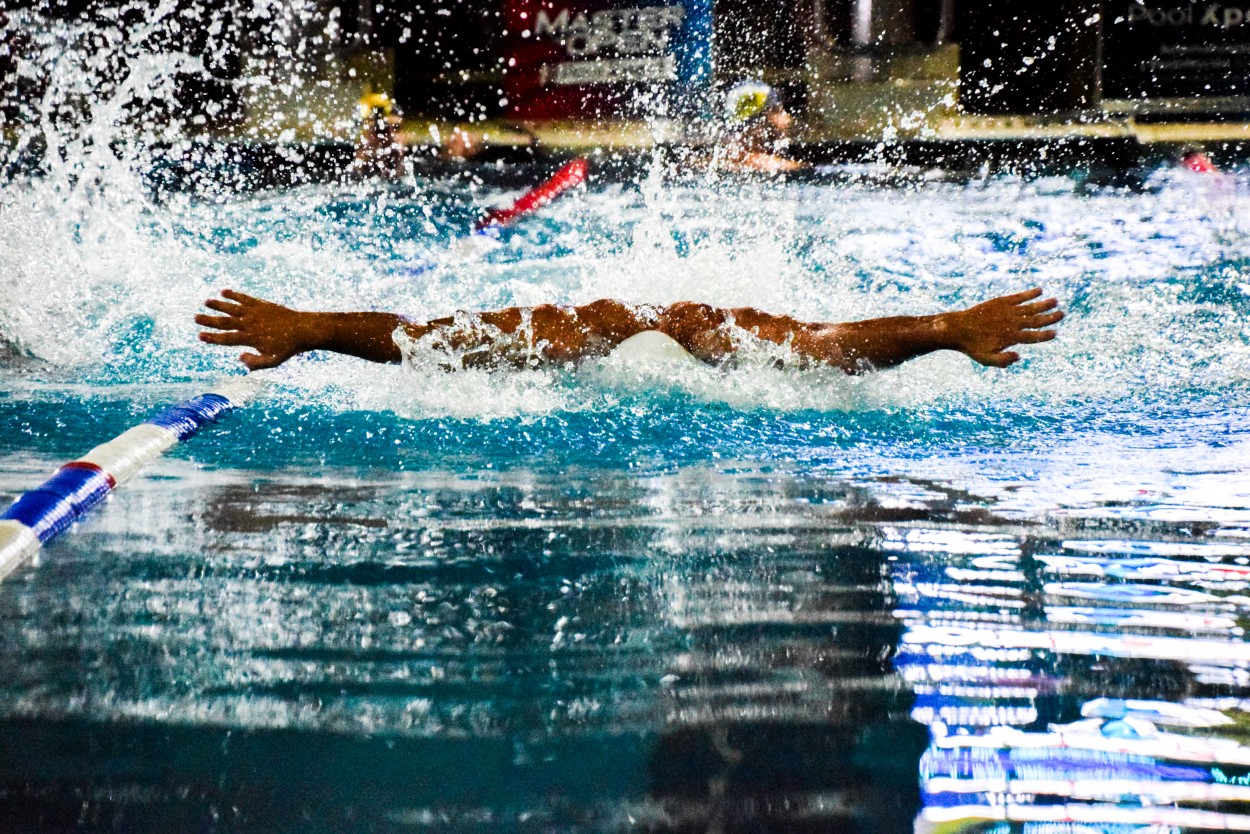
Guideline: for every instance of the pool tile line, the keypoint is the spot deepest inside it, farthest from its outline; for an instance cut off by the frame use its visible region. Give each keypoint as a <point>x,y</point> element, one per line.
<point>51,508</point>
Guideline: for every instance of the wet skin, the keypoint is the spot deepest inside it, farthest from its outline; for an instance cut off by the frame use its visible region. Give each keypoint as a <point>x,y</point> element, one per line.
<point>759,146</point>
<point>562,335</point>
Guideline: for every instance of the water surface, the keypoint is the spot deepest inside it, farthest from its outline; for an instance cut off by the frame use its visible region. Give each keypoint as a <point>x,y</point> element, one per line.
<point>639,597</point>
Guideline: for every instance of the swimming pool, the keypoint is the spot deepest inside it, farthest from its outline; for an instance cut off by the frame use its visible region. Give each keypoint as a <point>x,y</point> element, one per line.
<point>638,596</point>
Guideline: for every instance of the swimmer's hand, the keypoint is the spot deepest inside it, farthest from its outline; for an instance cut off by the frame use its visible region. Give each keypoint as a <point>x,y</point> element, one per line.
<point>277,333</point>
<point>984,332</point>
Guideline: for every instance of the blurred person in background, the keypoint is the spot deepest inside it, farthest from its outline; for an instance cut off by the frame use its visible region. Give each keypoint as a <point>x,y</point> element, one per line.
<point>379,151</point>
<point>757,129</point>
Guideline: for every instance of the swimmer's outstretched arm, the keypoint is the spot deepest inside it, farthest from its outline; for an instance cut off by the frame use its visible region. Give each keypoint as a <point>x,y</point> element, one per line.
<point>276,333</point>
<point>983,333</point>
<point>566,334</point>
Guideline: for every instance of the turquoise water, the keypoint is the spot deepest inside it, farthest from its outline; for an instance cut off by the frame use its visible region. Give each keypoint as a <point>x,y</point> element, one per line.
<point>638,596</point>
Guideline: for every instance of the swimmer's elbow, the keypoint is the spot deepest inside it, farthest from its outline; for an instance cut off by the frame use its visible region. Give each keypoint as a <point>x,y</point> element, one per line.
<point>699,328</point>
<point>614,320</point>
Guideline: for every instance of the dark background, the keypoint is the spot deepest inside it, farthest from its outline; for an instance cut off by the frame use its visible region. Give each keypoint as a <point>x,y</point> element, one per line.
<point>449,54</point>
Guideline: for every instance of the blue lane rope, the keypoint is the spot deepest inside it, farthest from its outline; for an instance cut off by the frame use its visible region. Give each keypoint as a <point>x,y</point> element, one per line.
<point>186,418</point>
<point>53,506</point>
<point>74,489</point>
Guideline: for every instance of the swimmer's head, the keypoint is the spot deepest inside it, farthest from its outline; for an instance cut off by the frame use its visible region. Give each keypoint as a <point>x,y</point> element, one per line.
<point>379,120</point>
<point>372,105</point>
<point>750,100</point>
<point>755,113</point>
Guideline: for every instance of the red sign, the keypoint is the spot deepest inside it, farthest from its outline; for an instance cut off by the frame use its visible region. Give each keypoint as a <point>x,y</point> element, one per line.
<point>583,59</point>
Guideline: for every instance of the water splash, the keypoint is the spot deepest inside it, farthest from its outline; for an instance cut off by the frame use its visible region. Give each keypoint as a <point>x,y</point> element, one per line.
<point>85,250</point>
<point>102,278</point>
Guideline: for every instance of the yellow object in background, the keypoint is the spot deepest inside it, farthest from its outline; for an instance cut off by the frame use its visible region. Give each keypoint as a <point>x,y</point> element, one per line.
<point>748,100</point>
<point>371,102</point>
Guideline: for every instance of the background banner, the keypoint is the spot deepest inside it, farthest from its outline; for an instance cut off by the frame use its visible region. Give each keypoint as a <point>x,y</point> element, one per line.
<point>592,58</point>
<point>1176,49</point>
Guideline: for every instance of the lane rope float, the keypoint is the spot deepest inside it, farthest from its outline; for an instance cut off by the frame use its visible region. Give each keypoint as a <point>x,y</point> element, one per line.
<point>570,174</point>
<point>51,508</point>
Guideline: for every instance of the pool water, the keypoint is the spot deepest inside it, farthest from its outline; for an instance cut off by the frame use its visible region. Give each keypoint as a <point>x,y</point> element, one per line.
<point>638,595</point>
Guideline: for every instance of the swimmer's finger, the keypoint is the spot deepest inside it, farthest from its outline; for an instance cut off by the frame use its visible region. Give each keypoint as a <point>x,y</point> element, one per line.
<point>1032,337</point>
<point>1001,359</point>
<point>1039,306</point>
<point>242,298</point>
<point>231,338</point>
<point>218,322</point>
<point>1044,320</point>
<point>223,306</point>
<point>259,361</point>
<point>1022,296</point>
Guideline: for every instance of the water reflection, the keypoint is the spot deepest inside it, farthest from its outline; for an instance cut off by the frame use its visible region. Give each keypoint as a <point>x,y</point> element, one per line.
<point>1092,716</point>
<point>730,648</point>
<point>784,714</point>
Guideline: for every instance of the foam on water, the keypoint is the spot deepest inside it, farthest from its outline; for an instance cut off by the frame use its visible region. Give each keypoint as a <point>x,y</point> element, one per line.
<point>1173,319</point>
<point>1159,312</point>
<point>85,261</point>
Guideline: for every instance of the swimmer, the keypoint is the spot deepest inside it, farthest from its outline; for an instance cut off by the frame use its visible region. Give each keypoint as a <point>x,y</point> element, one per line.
<point>379,151</point>
<point>1195,160</point>
<point>558,335</point>
<point>758,128</point>
<point>383,151</point>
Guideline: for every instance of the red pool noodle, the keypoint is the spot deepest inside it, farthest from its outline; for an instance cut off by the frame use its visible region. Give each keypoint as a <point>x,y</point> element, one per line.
<point>570,174</point>
<point>1199,163</point>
